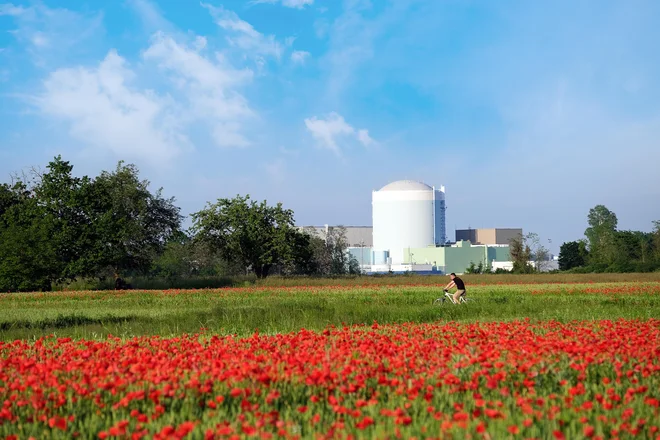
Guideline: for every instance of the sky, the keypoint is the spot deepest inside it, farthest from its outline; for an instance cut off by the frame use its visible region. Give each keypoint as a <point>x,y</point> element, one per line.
<point>529,113</point>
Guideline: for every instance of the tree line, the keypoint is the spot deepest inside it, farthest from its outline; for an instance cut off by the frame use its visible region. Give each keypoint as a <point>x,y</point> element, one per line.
<point>607,249</point>
<point>56,228</point>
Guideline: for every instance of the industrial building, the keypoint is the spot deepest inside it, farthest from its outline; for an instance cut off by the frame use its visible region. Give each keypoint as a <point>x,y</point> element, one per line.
<point>407,214</point>
<point>356,236</point>
<point>409,235</point>
<point>456,257</point>
<point>488,236</point>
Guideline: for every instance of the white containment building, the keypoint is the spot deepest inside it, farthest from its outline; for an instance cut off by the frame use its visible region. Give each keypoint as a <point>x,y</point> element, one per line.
<point>407,214</point>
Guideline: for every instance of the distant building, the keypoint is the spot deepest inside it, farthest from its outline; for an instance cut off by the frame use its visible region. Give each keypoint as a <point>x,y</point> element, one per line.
<point>434,259</point>
<point>409,235</point>
<point>458,257</point>
<point>357,236</point>
<point>491,236</point>
<point>407,213</point>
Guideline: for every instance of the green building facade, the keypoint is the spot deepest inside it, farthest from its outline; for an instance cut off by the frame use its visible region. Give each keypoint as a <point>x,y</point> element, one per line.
<point>456,258</point>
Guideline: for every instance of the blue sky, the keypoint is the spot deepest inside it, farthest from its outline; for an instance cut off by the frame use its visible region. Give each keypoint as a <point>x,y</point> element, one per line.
<point>530,113</point>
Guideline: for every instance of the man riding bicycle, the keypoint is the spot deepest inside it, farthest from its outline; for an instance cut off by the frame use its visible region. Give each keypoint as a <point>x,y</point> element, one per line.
<point>460,287</point>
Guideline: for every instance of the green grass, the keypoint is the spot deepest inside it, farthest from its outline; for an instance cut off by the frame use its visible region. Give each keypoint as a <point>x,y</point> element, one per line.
<point>272,310</point>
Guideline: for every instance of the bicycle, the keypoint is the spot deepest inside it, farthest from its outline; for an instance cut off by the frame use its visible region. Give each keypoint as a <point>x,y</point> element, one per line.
<point>449,297</point>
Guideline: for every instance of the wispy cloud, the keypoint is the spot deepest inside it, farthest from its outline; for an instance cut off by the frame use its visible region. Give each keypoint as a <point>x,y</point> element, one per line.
<point>151,17</point>
<point>332,129</point>
<point>243,35</point>
<point>298,4</point>
<point>353,39</point>
<point>50,34</point>
<point>13,10</point>
<point>299,56</point>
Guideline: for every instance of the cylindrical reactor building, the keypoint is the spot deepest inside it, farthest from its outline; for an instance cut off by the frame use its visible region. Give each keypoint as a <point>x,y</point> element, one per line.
<point>407,214</point>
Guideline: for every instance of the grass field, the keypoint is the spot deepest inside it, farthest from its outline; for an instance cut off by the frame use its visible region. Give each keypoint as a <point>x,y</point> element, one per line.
<point>272,310</point>
<point>361,358</point>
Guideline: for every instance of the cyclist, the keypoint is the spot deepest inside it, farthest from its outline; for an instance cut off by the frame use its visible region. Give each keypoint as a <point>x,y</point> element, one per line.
<point>460,287</point>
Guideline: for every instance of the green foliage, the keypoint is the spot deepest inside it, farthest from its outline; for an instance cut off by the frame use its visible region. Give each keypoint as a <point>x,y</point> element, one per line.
<point>609,250</point>
<point>55,227</point>
<point>131,224</point>
<point>303,261</point>
<point>251,234</point>
<point>330,253</point>
<point>28,258</point>
<point>656,241</point>
<point>601,234</point>
<point>572,254</point>
<point>354,266</point>
<point>521,255</point>
<point>477,268</point>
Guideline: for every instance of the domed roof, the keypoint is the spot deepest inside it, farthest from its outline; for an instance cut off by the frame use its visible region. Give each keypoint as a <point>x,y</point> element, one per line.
<point>406,185</point>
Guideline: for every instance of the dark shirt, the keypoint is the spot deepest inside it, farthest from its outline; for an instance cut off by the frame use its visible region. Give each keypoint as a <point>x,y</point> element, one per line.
<point>460,285</point>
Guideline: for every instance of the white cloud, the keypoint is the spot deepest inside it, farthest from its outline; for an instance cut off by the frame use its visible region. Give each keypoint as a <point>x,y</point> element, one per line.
<point>108,106</point>
<point>245,36</point>
<point>299,56</point>
<point>105,112</point>
<point>297,4</point>
<point>106,109</point>
<point>330,130</point>
<point>364,138</point>
<point>209,86</point>
<point>50,34</point>
<point>12,10</point>
<point>151,17</point>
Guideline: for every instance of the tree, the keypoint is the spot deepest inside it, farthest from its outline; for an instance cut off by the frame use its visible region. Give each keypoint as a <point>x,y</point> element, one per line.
<point>176,261</point>
<point>330,251</point>
<point>633,246</point>
<point>521,255</point>
<point>540,255</point>
<point>354,266</point>
<point>65,200</point>
<point>337,246</point>
<point>10,196</point>
<point>601,234</point>
<point>572,254</point>
<point>132,226</point>
<point>656,240</point>
<point>254,235</point>
<point>28,258</point>
<point>302,261</point>
<point>528,254</point>
<point>45,227</point>
<point>475,268</point>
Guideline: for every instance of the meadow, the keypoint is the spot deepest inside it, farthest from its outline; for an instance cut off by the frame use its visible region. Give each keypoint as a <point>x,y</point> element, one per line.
<point>359,358</point>
<point>270,310</point>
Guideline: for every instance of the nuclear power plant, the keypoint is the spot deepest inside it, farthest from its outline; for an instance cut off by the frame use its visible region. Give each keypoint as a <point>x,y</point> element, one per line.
<point>407,214</point>
<point>409,234</point>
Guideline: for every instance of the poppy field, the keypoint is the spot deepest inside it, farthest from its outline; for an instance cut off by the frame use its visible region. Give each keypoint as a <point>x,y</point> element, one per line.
<point>561,361</point>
